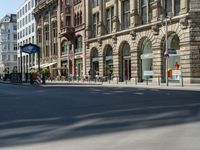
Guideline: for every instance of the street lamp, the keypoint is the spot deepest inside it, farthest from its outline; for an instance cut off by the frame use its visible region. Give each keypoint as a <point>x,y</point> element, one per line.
<point>164,20</point>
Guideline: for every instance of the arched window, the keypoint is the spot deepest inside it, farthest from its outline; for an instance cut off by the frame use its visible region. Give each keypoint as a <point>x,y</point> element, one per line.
<point>65,47</point>
<point>94,62</point>
<point>78,44</point>
<point>147,60</point>
<point>108,60</point>
<point>125,65</point>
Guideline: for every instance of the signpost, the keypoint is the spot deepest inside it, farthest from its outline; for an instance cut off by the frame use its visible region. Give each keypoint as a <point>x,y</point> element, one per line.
<point>30,49</point>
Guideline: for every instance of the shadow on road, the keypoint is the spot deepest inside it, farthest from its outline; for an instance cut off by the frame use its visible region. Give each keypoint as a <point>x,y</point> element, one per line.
<point>36,115</point>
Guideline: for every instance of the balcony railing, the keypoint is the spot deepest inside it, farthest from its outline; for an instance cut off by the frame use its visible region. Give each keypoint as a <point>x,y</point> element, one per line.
<point>67,29</point>
<point>79,27</point>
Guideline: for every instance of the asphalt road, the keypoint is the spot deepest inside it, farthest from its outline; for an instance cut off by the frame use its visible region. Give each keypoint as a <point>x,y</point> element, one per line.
<point>95,118</point>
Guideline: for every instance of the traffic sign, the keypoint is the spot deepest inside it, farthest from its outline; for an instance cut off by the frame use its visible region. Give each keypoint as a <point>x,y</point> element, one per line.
<point>166,55</point>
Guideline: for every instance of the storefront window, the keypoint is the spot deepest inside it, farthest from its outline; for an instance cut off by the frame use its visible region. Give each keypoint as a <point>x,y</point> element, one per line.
<point>125,73</point>
<point>109,61</point>
<point>94,62</point>
<point>147,60</point>
<point>174,57</point>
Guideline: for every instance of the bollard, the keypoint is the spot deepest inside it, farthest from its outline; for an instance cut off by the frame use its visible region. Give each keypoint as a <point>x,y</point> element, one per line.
<point>147,81</point>
<point>125,81</point>
<point>158,81</point>
<point>182,81</point>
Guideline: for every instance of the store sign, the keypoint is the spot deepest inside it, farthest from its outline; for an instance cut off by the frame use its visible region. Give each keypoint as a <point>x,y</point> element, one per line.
<point>172,51</point>
<point>147,56</point>
<point>148,73</point>
<point>30,48</point>
<point>176,72</point>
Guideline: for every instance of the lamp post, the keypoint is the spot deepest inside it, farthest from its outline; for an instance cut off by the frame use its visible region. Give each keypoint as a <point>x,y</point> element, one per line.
<point>166,55</point>
<point>166,50</point>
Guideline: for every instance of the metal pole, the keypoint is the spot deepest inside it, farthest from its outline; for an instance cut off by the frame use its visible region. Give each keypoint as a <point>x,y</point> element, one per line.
<point>166,50</point>
<point>21,62</point>
<point>39,60</point>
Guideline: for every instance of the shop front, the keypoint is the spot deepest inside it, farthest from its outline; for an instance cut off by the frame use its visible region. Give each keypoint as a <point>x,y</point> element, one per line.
<point>125,66</point>
<point>94,63</point>
<point>146,61</point>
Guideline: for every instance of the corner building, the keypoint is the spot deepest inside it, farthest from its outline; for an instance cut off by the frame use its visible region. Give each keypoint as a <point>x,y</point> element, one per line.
<point>45,13</point>
<point>128,39</point>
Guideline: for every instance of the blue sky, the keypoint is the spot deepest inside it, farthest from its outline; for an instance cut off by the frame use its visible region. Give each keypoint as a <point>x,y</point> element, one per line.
<point>9,6</point>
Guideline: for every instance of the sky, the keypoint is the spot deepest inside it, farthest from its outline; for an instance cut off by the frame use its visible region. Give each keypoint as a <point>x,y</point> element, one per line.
<point>9,6</point>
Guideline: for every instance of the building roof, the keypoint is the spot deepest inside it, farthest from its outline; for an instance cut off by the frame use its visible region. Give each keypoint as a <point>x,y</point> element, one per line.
<point>9,18</point>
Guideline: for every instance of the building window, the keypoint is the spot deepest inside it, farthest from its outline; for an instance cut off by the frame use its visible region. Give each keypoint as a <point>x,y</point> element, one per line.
<point>14,27</point>
<point>47,32</point>
<point>29,5</point>
<point>15,36</point>
<point>39,36</point>
<point>176,7</point>
<point>32,2</point>
<point>80,18</point>
<point>172,7</point>
<point>168,7</point>
<point>25,8</point>
<point>33,27</point>
<point>78,44</point>
<point>125,14</point>
<point>65,48</point>
<point>54,29</point>
<point>95,24</point>
<point>8,58</point>
<point>33,39</point>
<point>95,3</point>
<point>109,17</point>
<point>67,2</point>
<point>144,10</point>
<point>29,30</point>
<point>15,58</point>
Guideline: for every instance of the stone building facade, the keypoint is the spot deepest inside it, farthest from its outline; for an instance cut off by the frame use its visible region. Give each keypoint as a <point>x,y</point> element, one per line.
<point>61,34</point>
<point>45,13</point>
<point>8,44</point>
<point>140,40</point>
<point>71,37</point>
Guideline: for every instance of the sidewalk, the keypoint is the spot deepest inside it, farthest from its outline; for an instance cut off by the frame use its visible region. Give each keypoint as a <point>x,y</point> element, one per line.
<point>172,86</point>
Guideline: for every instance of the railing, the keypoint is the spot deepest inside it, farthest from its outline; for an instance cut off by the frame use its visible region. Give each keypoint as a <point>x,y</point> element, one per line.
<point>67,29</point>
<point>79,27</point>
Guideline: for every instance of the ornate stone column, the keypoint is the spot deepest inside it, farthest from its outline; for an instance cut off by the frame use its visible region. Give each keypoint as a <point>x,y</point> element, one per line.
<point>157,63</point>
<point>116,62</point>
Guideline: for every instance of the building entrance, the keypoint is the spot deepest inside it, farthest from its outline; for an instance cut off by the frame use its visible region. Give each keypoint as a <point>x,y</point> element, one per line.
<point>127,69</point>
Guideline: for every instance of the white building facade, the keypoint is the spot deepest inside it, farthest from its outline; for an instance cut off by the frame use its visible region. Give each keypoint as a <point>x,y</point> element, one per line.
<point>26,34</point>
<point>8,44</point>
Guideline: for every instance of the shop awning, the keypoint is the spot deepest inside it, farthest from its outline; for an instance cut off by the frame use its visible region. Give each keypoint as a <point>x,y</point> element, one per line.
<point>49,64</point>
<point>43,65</point>
<point>60,68</point>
